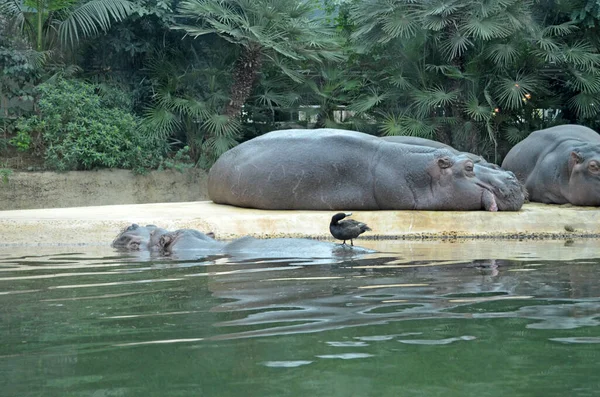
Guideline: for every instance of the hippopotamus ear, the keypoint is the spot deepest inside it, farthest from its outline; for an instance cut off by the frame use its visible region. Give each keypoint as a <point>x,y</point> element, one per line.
<point>444,162</point>
<point>574,159</point>
<point>165,240</point>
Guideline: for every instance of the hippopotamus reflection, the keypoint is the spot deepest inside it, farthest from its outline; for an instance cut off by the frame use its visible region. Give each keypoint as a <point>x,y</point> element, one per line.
<point>559,165</point>
<point>139,238</point>
<point>329,169</point>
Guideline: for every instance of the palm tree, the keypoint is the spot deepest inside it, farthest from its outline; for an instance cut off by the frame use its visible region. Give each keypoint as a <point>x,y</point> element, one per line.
<point>469,72</point>
<point>45,21</point>
<point>282,32</point>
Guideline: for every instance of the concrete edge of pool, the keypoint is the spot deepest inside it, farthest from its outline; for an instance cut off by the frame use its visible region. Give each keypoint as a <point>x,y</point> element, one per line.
<point>99,225</point>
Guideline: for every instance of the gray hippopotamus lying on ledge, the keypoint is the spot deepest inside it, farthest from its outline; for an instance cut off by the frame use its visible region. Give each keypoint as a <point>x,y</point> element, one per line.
<point>190,242</point>
<point>329,169</point>
<point>559,165</point>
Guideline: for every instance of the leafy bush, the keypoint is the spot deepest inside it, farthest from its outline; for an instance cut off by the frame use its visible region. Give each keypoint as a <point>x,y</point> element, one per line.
<point>80,130</point>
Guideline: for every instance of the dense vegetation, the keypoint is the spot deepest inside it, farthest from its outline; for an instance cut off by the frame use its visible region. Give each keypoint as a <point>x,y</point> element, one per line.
<point>142,84</point>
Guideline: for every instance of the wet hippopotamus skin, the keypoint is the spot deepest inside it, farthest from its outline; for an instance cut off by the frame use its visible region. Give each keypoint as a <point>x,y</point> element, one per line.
<point>189,239</point>
<point>559,165</point>
<point>139,238</point>
<point>189,243</point>
<point>329,169</point>
<point>289,248</point>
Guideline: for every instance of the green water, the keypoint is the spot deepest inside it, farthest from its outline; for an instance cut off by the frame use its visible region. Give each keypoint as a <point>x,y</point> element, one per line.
<point>82,322</point>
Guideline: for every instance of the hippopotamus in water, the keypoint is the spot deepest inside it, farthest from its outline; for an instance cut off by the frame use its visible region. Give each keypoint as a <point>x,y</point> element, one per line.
<point>559,165</point>
<point>139,238</point>
<point>329,169</point>
<point>190,243</point>
<point>417,141</point>
<point>189,239</point>
<point>289,248</point>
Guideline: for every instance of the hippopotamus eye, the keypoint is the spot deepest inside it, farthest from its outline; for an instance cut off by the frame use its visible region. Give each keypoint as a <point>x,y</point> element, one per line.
<point>469,166</point>
<point>594,167</point>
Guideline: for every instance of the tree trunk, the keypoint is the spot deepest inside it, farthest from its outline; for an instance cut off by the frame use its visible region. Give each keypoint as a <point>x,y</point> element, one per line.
<point>245,74</point>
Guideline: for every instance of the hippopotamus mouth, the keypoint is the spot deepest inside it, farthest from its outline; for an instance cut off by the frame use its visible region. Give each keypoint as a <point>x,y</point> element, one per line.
<point>488,198</point>
<point>506,197</point>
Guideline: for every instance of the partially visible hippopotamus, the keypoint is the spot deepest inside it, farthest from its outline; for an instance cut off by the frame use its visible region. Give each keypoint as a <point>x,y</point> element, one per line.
<point>489,173</point>
<point>559,165</point>
<point>139,238</point>
<point>417,141</point>
<point>189,239</point>
<point>329,169</point>
<point>190,243</point>
<point>289,248</point>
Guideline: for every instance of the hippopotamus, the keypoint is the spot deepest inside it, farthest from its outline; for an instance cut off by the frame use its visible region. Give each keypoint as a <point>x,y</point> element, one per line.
<point>483,169</point>
<point>289,248</point>
<point>189,239</point>
<point>190,243</point>
<point>330,169</point>
<point>139,238</point>
<point>417,141</point>
<point>559,165</point>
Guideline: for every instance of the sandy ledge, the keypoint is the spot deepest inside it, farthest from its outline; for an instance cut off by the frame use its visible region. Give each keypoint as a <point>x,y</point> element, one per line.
<point>100,224</point>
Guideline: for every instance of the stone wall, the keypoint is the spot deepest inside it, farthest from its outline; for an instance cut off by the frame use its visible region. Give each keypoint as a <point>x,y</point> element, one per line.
<point>28,190</point>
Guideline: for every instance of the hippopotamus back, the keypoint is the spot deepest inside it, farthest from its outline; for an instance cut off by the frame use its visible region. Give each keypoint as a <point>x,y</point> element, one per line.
<point>417,141</point>
<point>328,169</point>
<point>559,165</point>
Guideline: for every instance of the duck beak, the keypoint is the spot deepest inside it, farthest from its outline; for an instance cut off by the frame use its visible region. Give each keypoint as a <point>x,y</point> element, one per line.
<point>348,213</point>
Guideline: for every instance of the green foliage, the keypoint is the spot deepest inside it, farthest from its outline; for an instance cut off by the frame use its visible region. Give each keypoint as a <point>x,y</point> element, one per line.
<point>471,73</point>
<point>5,173</point>
<point>67,20</point>
<point>80,131</point>
<point>23,140</point>
<point>180,161</point>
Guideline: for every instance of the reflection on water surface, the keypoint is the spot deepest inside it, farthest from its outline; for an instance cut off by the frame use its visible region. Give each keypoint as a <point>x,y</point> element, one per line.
<point>472,318</point>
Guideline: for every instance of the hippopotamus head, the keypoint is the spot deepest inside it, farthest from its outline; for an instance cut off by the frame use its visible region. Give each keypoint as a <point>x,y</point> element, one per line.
<point>136,237</point>
<point>462,184</point>
<point>188,239</point>
<point>584,175</point>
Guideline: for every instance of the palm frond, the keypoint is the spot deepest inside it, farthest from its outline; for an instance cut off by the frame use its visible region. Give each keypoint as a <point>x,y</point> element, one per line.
<point>486,29</point>
<point>399,26</point>
<point>13,11</point>
<point>562,29</point>
<point>91,17</point>
<point>416,127</point>
<point>427,100</point>
<point>581,53</point>
<point>160,122</point>
<point>476,111</point>
<point>455,45</point>
<point>585,104</point>
<point>502,54</point>
<point>514,135</point>
<point>584,81</point>
<point>219,125</point>
<point>367,102</point>
<point>511,92</point>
